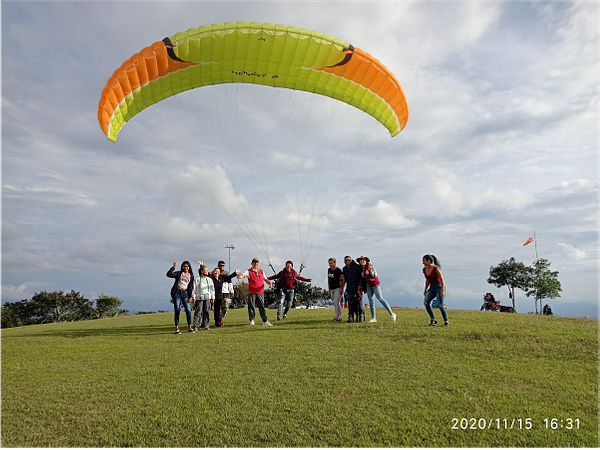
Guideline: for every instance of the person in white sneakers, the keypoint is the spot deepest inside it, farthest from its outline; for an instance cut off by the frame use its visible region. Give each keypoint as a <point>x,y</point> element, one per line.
<point>336,281</point>
<point>435,288</point>
<point>373,287</point>
<point>256,292</point>
<point>228,292</point>
<point>203,296</point>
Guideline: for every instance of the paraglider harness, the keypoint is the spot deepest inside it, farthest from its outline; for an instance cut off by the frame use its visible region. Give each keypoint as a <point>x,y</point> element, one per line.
<point>278,283</point>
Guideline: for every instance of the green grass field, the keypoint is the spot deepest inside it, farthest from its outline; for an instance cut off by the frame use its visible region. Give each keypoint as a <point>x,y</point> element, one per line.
<point>305,382</point>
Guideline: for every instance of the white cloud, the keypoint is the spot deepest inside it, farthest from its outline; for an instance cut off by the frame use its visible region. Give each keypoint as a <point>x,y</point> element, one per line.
<point>502,140</point>
<point>455,202</point>
<point>11,231</point>
<point>46,195</point>
<point>382,214</point>
<point>15,293</point>
<point>570,252</point>
<point>290,161</point>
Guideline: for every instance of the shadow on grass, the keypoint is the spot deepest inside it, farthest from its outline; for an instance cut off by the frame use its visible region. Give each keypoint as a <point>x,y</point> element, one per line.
<point>104,331</point>
<point>147,330</point>
<point>291,323</point>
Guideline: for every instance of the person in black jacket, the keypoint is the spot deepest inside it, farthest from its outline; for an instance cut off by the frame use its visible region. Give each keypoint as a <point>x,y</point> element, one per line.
<point>287,283</point>
<point>355,286</point>
<point>181,292</point>
<point>218,279</point>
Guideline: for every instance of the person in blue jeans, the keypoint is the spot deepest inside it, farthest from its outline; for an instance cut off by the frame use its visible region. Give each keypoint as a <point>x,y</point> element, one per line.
<point>373,288</point>
<point>287,278</point>
<point>435,287</point>
<point>181,292</point>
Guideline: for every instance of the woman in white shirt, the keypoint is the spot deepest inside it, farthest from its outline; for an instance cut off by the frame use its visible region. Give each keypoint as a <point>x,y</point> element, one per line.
<point>203,296</point>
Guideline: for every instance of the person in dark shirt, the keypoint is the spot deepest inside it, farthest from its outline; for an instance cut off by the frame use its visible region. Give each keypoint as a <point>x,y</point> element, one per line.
<point>227,291</point>
<point>287,278</point>
<point>355,286</point>
<point>336,282</point>
<point>218,279</point>
<point>181,292</point>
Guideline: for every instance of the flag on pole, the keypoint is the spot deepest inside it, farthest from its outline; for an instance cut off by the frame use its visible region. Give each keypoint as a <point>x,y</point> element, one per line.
<point>529,241</point>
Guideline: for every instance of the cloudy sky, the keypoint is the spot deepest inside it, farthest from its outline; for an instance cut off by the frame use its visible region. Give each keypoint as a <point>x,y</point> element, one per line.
<point>501,142</point>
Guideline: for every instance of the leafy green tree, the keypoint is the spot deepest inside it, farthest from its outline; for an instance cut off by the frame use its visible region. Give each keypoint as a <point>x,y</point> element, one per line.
<point>316,295</point>
<point>513,275</point>
<point>48,307</point>
<point>271,295</point>
<point>59,306</point>
<point>240,295</point>
<point>108,306</point>
<point>16,314</point>
<point>543,283</point>
<point>303,292</point>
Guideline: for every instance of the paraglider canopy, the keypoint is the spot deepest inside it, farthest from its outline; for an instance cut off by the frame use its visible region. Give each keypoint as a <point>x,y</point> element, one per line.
<point>251,52</point>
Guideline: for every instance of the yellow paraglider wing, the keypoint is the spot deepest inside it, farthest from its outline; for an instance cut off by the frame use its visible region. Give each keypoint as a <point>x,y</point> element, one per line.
<point>258,53</point>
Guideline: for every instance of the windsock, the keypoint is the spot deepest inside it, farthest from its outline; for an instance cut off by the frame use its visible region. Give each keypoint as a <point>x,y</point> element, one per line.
<point>529,241</point>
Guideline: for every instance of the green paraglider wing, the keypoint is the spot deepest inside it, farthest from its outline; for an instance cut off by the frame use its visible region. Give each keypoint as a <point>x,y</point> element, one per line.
<point>251,52</point>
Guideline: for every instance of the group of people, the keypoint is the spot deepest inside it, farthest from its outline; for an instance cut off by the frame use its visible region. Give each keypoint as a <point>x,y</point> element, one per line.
<point>208,291</point>
<point>346,285</point>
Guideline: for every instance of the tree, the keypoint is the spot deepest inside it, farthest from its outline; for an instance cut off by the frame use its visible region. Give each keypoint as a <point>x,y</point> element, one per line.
<point>543,283</point>
<point>512,274</point>
<point>315,294</point>
<point>16,314</point>
<point>108,306</point>
<point>240,295</point>
<point>303,292</point>
<point>59,306</point>
<point>48,307</point>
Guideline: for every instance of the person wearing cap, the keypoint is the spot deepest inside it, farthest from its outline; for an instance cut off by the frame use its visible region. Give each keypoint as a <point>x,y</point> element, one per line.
<point>287,277</point>
<point>336,282</point>
<point>218,280</point>
<point>355,286</point>
<point>256,292</point>
<point>227,291</point>
<point>373,287</point>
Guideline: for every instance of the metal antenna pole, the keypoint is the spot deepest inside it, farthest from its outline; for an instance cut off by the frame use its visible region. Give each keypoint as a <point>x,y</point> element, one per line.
<point>229,247</point>
<point>537,278</point>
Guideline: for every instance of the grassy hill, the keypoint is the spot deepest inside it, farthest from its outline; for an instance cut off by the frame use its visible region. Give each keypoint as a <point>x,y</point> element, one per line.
<point>305,382</point>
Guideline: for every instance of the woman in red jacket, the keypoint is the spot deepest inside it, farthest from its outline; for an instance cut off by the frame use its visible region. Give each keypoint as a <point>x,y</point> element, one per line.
<point>287,279</point>
<point>373,287</point>
<point>434,287</point>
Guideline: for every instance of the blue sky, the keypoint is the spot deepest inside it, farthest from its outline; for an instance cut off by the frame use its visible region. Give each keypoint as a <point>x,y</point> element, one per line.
<point>501,142</point>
